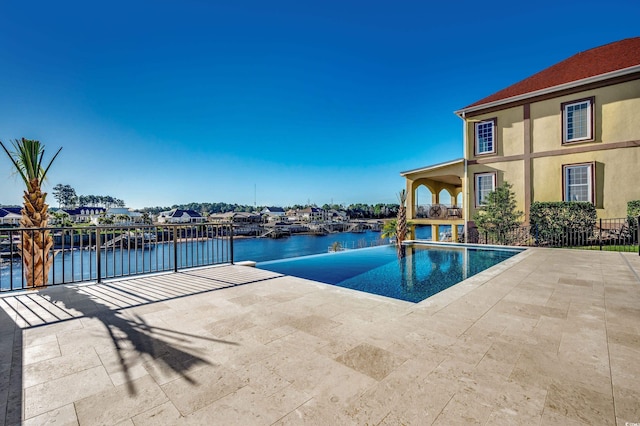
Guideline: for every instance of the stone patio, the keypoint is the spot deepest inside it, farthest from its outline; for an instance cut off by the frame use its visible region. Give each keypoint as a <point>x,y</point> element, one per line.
<point>547,337</point>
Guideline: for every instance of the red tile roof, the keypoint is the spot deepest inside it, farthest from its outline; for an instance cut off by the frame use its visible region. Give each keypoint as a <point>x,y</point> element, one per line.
<point>599,60</point>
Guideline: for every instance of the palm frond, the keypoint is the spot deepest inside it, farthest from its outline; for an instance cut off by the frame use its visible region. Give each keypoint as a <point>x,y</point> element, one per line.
<point>27,159</point>
<point>15,160</point>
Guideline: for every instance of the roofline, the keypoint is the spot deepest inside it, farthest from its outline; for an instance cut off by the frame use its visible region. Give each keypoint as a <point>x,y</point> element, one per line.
<point>432,167</point>
<point>582,82</point>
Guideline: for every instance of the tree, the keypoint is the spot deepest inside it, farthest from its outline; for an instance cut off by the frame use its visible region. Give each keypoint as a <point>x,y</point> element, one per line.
<point>65,195</point>
<point>61,218</point>
<point>389,229</point>
<point>401,225</point>
<point>499,217</point>
<point>27,159</point>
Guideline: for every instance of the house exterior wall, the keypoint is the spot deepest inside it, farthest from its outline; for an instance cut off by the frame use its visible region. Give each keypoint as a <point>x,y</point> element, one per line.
<point>530,153</point>
<point>510,171</point>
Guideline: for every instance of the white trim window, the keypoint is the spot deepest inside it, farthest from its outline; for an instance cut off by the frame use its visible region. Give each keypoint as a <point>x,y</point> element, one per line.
<point>485,140</point>
<point>577,120</point>
<point>578,182</point>
<point>485,183</point>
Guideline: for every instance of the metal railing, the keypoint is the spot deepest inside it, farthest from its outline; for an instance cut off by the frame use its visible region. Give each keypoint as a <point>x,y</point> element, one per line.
<point>438,211</point>
<point>620,234</point>
<point>103,252</point>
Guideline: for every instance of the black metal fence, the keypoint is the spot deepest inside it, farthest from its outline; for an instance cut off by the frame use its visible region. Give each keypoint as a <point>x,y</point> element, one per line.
<point>607,234</point>
<point>102,252</point>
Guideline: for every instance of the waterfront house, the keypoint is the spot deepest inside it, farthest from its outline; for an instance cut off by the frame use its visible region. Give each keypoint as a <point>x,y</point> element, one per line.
<point>10,216</point>
<point>180,216</point>
<point>313,214</point>
<point>337,215</point>
<point>124,216</point>
<point>238,218</point>
<point>84,214</point>
<point>273,214</point>
<point>567,133</point>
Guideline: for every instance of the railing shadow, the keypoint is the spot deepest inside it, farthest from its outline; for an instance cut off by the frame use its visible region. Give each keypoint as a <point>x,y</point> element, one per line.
<point>10,368</point>
<point>130,334</point>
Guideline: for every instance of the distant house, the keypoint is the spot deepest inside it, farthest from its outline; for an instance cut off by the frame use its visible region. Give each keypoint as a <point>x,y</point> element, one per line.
<point>337,215</point>
<point>236,217</point>
<point>124,216</point>
<point>292,215</point>
<point>180,216</point>
<point>83,214</point>
<point>274,214</point>
<point>10,216</point>
<point>313,214</point>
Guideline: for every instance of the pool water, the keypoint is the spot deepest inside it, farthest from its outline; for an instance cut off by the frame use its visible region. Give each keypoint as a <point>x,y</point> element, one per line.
<point>423,271</point>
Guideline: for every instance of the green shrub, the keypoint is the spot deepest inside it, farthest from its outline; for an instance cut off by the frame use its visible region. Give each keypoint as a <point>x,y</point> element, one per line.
<point>499,217</point>
<point>562,220</point>
<point>633,211</point>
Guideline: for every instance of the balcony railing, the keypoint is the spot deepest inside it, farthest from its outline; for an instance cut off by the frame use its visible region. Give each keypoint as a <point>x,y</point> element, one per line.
<point>102,252</point>
<point>438,211</point>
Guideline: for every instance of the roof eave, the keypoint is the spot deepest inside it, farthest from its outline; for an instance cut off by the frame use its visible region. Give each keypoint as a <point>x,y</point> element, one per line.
<point>597,78</point>
<point>432,167</point>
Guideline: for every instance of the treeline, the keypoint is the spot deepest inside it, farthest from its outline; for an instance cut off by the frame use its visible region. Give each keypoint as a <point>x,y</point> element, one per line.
<point>66,197</point>
<point>355,211</point>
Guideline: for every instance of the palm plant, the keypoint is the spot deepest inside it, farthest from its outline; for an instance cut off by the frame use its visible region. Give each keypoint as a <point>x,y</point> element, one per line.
<point>36,244</point>
<point>401,223</point>
<point>389,229</point>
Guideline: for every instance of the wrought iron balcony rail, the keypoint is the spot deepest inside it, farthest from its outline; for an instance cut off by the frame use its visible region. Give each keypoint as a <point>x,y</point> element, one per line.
<point>437,211</point>
<point>103,252</point>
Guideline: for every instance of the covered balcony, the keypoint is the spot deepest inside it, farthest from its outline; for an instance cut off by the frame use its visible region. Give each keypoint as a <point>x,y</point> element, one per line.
<point>435,197</point>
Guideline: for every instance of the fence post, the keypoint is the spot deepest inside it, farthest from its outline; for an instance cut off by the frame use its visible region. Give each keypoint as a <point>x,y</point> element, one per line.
<point>231,241</point>
<point>98,257</point>
<point>175,248</point>
<point>600,235</point>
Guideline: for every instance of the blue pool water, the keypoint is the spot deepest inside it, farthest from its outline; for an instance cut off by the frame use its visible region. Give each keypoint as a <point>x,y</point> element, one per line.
<point>423,271</point>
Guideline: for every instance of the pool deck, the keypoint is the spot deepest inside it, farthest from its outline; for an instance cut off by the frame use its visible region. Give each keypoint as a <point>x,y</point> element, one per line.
<point>547,337</point>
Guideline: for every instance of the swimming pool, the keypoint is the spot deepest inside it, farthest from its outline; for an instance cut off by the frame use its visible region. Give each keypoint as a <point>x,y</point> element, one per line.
<point>424,270</point>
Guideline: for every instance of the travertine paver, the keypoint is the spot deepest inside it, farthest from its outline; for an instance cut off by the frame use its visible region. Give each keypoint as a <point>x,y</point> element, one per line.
<point>547,337</point>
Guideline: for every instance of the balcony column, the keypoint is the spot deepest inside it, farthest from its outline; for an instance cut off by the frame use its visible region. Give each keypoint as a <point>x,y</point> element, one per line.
<point>454,233</point>
<point>411,196</point>
<point>435,232</point>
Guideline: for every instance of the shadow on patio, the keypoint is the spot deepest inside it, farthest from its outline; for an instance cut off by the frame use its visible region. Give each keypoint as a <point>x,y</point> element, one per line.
<point>130,335</point>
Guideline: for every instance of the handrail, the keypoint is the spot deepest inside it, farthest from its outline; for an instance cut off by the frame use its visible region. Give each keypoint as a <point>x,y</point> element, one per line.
<point>95,253</point>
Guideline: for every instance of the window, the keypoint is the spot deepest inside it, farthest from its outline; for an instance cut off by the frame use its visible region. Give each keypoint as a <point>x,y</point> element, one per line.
<point>578,182</point>
<point>485,183</point>
<point>485,137</point>
<point>577,120</point>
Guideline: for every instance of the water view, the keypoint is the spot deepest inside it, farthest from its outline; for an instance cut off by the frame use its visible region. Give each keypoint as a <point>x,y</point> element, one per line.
<point>421,272</point>
<point>80,265</point>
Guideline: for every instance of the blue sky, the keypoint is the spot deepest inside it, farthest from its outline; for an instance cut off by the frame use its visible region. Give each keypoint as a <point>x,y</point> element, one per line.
<point>162,102</point>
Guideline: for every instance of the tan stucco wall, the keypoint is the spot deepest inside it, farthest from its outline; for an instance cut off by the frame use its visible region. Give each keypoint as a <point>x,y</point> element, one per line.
<point>617,119</point>
<point>509,171</point>
<point>617,112</point>
<point>617,177</point>
<point>510,132</point>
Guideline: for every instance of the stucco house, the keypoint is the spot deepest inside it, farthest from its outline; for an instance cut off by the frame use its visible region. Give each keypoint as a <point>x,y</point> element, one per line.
<point>180,216</point>
<point>568,133</point>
